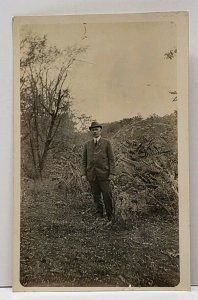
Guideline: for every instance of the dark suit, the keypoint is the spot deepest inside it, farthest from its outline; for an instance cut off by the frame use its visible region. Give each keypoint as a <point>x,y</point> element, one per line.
<point>97,165</point>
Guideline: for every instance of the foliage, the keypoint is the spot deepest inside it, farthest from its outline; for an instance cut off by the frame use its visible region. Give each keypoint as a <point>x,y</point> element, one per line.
<point>171,54</point>
<point>61,242</point>
<point>146,163</point>
<point>45,98</point>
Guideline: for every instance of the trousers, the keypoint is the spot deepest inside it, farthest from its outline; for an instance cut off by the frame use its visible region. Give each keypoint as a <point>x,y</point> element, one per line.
<point>102,192</point>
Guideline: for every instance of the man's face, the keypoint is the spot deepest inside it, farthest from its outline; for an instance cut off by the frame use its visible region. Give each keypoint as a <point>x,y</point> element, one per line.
<point>96,132</point>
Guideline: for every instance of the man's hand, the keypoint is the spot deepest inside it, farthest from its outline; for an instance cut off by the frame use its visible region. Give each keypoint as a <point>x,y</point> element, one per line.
<point>84,178</point>
<point>111,177</point>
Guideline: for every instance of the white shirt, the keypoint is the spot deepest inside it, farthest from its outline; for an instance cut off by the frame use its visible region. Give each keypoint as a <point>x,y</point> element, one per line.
<point>96,140</point>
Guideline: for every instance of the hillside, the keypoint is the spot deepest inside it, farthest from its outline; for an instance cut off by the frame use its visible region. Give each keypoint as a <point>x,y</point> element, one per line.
<point>62,244</point>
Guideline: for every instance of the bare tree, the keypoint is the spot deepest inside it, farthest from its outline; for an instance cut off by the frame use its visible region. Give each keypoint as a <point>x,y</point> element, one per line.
<point>45,94</point>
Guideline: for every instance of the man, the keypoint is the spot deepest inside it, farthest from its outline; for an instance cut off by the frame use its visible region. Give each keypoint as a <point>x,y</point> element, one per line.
<point>98,167</point>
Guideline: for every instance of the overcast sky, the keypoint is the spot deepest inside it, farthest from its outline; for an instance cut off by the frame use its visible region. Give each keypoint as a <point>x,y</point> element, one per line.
<point>123,71</point>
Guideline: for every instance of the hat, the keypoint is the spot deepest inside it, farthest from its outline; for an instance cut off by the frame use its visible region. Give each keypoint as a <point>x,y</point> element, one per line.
<point>94,125</point>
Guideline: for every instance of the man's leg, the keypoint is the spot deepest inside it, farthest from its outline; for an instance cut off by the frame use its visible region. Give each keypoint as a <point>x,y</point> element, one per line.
<point>107,197</point>
<point>95,188</point>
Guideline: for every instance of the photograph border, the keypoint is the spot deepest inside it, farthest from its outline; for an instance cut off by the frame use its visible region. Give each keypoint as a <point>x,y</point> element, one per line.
<point>181,21</point>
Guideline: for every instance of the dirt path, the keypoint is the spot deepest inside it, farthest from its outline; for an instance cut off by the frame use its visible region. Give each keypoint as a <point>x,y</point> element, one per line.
<point>62,244</point>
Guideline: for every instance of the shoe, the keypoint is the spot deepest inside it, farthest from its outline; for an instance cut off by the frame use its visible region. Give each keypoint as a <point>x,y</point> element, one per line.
<point>109,218</point>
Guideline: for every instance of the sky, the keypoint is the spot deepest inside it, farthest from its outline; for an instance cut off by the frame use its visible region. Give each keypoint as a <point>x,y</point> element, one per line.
<point>123,72</point>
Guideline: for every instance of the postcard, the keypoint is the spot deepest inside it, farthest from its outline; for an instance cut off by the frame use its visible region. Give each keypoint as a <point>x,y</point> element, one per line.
<point>101,171</point>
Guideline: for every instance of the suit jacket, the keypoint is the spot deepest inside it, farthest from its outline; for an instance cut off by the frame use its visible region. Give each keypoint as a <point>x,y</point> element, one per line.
<point>98,160</point>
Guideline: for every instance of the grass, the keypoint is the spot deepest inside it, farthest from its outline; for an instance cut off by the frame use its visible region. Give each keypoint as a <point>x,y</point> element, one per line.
<point>62,244</point>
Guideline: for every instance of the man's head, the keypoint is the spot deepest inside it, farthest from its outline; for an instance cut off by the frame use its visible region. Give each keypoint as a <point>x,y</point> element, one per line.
<point>95,129</point>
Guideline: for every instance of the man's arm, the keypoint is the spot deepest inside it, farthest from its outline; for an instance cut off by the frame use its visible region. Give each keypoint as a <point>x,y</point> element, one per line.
<point>111,159</point>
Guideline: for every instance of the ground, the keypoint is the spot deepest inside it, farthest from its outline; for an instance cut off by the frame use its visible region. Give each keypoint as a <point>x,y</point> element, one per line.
<point>62,244</point>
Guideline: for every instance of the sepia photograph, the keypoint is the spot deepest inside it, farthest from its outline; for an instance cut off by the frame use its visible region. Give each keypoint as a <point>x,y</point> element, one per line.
<point>100,130</point>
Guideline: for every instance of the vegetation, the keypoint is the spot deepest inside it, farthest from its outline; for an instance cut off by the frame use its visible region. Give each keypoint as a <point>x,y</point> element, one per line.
<point>62,244</point>
<point>45,98</point>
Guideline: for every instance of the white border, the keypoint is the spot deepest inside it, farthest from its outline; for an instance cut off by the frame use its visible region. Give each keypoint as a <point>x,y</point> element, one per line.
<point>11,8</point>
<point>181,21</point>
